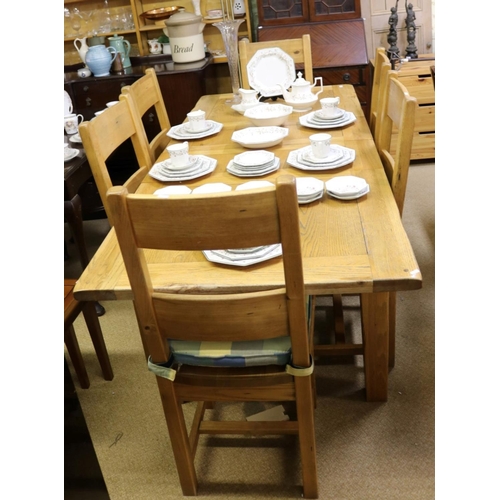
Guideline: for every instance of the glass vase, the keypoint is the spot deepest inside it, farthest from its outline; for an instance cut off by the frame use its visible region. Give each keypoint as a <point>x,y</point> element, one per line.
<point>229,32</point>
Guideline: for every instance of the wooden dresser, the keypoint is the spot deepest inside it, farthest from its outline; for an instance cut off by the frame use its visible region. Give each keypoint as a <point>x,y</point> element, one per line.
<point>416,76</point>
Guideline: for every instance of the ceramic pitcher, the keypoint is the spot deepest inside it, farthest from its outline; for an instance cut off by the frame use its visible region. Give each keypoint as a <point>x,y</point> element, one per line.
<point>123,47</point>
<point>82,49</point>
<point>99,59</point>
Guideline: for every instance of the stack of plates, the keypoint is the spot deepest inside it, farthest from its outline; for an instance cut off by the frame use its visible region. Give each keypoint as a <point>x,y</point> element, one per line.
<point>309,189</point>
<point>347,187</point>
<point>197,166</point>
<point>253,163</point>
<point>243,256</point>
<point>183,131</point>
<point>304,159</point>
<point>317,119</point>
<point>75,138</point>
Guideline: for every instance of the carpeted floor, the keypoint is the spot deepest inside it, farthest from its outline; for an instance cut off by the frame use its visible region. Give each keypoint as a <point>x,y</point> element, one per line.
<point>365,450</point>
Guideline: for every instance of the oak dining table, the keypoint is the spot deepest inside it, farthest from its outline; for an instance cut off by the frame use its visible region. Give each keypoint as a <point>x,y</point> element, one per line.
<point>358,246</point>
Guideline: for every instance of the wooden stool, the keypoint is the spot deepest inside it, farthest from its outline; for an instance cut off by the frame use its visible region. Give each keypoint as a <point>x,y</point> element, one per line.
<point>72,308</point>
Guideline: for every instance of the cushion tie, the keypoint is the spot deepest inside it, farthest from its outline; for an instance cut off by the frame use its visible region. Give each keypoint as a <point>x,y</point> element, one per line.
<point>300,371</point>
<point>163,369</point>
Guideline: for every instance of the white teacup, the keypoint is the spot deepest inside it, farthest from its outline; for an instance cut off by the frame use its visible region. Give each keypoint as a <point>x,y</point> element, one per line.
<point>329,105</point>
<point>71,123</point>
<point>320,145</point>
<point>179,154</point>
<point>197,121</point>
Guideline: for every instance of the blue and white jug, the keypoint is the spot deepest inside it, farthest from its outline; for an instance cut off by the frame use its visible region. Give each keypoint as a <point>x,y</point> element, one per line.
<point>99,59</point>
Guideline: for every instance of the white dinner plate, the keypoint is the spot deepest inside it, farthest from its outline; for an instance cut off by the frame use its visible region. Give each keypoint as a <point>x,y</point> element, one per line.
<point>213,187</point>
<point>348,157</point>
<point>268,68</point>
<point>238,172</point>
<point>253,185</point>
<point>346,185</point>
<point>222,257</point>
<point>351,197</point>
<point>70,153</point>
<point>206,166</point>
<point>177,132</point>
<point>306,121</point>
<point>253,158</point>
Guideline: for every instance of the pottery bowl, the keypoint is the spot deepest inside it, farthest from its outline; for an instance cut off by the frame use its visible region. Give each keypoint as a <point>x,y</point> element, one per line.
<point>268,115</point>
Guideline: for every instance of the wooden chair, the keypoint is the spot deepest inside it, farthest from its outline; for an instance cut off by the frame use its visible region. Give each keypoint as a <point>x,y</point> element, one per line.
<point>380,59</point>
<point>102,135</point>
<point>396,123</point>
<point>146,94</point>
<point>299,49</point>
<point>184,330</point>
<point>72,308</point>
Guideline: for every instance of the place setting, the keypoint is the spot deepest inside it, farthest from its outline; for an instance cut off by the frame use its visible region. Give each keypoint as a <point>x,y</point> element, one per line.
<point>181,166</point>
<point>196,127</point>
<point>253,163</point>
<point>347,187</point>
<point>329,116</point>
<point>321,154</point>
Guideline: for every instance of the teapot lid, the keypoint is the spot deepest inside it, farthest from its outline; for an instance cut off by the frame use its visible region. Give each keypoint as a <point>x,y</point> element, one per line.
<point>181,18</point>
<point>300,82</point>
<point>115,37</point>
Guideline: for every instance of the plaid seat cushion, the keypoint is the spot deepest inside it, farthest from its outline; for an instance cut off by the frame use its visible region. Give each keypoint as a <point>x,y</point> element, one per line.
<point>275,351</point>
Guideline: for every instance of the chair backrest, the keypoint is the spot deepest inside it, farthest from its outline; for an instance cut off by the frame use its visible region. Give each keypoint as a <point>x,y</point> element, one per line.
<point>146,94</point>
<point>102,135</point>
<point>237,219</point>
<point>397,123</point>
<point>380,60</point>
<point>383,81</point>
<point>299,49</point>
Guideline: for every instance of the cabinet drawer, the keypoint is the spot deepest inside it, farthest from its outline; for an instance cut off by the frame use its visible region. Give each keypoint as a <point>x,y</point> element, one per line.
<point>92,96</point>
<point>425,119</point>
<point>420,87</point>
<point>350,76</point>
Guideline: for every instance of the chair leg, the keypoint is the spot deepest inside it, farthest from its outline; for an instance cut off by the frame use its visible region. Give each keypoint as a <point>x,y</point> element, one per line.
<point>338,316</point>
<point>307,436</point>
<point>392,329</point>
<point>95,331</point>
<point>76,356</point>
<point>179,439</point>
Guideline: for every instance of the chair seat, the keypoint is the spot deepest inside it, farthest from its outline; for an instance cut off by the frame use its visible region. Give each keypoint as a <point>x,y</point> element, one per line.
<point>275,351</point>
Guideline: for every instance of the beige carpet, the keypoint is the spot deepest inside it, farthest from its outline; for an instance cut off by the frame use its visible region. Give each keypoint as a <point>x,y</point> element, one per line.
<point>365,450</point>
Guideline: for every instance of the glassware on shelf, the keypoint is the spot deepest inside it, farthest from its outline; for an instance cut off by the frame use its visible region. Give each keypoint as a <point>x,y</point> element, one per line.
<point>229,31</point>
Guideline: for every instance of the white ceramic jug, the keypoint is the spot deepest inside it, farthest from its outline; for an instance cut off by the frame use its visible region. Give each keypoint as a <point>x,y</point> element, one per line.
<point>83,49</point>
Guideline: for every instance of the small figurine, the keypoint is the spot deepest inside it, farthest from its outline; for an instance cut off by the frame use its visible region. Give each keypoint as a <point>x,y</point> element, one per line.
<point>411,28</point>
<point>392,37</point>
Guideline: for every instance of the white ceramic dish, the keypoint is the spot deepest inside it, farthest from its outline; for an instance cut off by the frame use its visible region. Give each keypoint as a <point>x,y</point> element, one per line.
<point>253,185</point>
<point>308,158</point>
<point>269,115</point>
<point>309,121</point>
<point>75,138</point>
<point>234,259</point>
<point>187,128</point>
<point>242,172</point>
<point>192,161</point>
<point>178,132</point>
<point>70,153</point>
<point>302,106</point>
<point>346,185</point>
<point>214,187</point>
<point>259,137</point>
<point>206,166</point>
<point>253,158</point>
<point>309,186</point>
<point>320,114</point>
<point>268,68</point>
<point>351,197</point>
<point>169,190</point>
<point>348,157</point>
<point>241,108</point>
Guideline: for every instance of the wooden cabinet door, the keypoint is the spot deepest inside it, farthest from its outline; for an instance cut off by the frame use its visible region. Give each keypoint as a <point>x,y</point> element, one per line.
<point>280,12</point>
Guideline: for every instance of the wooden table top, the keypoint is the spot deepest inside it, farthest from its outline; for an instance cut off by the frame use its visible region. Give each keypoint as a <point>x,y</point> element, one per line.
<point>357,246</point>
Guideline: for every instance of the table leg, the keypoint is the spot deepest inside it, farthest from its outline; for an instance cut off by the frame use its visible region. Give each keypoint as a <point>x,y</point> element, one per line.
<point>375,317</point>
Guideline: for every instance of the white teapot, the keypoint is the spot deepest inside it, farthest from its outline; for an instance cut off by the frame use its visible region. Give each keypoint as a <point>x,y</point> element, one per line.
<point>301,93</point>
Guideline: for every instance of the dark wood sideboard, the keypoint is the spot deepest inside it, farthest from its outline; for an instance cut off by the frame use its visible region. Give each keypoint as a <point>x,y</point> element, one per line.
<point>339,52</point>
<point>181,85</point>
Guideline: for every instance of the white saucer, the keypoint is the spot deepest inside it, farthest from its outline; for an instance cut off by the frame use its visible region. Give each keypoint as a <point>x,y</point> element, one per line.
<point>253,158</point>
<point>188,130</point>
<point>253,185</point>
<point>70,153</point>
<point>346,185</point>
<point>309,158</point>
<point>247,172</point>
<point>75,138</point>
<point>169,190</point>
<point>309,186</point>
<point>206,166</point>
<point>351,197</point>
<point>320,114</point>
<point>192,161</point>
<point>311,122</point>
<point>214,187</point>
